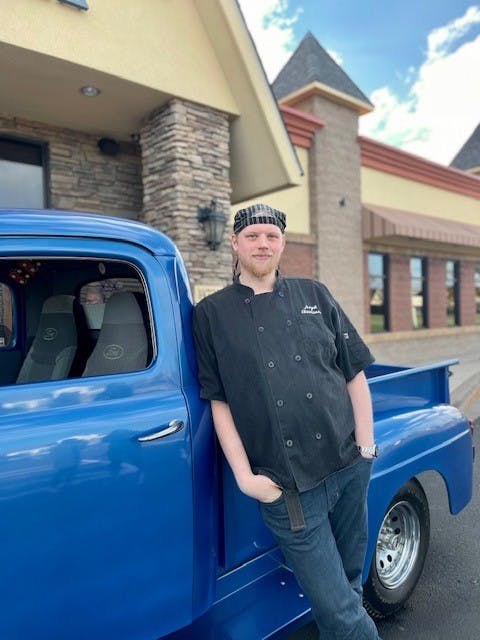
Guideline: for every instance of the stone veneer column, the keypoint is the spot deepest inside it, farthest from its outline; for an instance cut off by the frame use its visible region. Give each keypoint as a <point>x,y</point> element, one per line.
<point>436,299</point>
<point>399,293</point>
<point>466,302</point>
<point>335,178</point>
<point>186,162</point>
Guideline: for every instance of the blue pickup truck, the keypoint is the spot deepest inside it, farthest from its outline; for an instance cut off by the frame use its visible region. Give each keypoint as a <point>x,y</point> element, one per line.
<point>119,518</point>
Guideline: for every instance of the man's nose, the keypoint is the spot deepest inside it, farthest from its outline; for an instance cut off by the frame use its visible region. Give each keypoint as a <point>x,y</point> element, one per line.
<point>262,240</point>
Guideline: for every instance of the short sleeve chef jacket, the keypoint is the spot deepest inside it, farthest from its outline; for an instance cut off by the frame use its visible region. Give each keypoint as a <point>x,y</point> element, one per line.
<point>281,360</point>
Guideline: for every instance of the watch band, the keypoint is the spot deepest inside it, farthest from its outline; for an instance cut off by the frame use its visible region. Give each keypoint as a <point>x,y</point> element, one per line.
<point>371,450</point>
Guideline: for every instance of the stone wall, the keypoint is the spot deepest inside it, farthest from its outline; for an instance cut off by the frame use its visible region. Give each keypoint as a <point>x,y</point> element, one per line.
<point>186,162</point>
<point>80,177</point>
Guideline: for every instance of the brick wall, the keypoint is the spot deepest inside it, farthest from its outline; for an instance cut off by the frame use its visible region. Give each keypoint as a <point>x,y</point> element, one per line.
<point>335,177</point>
<point>185,151</point>
<point>436,298</point>
<point>297,260</point>
<point>80,177</point>
<point>399,293</point>
<point>466,302</point>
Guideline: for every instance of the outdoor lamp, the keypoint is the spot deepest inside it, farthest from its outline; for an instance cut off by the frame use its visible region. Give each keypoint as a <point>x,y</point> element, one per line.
<point>213,222</point>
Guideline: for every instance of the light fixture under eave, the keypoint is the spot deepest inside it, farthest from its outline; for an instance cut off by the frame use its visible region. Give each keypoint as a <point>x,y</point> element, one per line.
<point>90,91</point>
<point>213,222</point>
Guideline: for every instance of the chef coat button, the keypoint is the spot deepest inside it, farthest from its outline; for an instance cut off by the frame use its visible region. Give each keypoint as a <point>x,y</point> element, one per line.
<point>281,294</point>
<point>289,323</point>
<point>271,364</point>
<point>318,436</point>
<point>247,300</point>
<point>261,329</point>
<point>289,443</point>
<point>298,358</point>
<point>309,395</point>
<point>279,403</point>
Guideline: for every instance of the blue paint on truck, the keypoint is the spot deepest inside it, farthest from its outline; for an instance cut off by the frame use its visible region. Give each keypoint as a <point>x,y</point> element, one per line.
<point>111,529</point>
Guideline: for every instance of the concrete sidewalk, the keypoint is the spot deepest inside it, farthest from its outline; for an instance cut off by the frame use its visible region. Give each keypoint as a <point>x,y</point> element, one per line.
<point>465,384</point>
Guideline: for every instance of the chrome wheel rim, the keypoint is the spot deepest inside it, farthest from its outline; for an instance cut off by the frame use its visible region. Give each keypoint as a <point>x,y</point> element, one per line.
<point>398,544</point>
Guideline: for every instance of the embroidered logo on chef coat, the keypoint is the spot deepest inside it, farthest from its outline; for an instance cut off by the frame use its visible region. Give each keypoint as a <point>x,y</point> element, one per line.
<point>312,310</point>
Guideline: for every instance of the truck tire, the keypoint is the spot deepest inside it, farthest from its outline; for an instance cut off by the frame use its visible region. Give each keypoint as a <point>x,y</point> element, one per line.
<point>400,552</point>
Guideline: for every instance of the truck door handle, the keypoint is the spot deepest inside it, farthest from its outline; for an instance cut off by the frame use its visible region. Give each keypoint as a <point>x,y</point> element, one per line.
<point>173,427</point>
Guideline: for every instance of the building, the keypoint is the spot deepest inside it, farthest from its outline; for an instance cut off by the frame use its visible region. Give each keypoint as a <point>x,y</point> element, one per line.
<point>120,113</point>
<point>147,112</point>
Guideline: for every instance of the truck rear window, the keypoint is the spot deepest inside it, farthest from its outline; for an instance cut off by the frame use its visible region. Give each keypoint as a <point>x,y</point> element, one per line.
<point>73,318</point>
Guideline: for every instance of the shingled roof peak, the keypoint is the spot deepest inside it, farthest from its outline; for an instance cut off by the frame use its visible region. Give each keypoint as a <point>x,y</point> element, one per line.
<point>309,63</point>
<point>469,155</point>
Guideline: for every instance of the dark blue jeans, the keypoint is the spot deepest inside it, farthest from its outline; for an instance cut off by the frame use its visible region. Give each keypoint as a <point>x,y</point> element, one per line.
<point>327,556</point>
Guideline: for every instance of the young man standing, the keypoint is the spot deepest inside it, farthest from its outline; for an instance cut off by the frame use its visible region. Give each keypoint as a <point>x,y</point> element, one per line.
<point>283,369</point>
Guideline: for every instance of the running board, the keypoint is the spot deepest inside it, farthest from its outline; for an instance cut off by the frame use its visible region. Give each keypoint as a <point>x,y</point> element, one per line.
<point>268,606</point>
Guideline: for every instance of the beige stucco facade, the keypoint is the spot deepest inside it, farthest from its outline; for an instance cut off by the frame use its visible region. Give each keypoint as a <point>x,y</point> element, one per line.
<point>294,201</point>
<point>141,57</point>
<point>396,192</point>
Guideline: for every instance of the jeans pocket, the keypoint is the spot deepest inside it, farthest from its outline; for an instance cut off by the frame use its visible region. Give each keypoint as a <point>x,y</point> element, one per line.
<point>274,502</point>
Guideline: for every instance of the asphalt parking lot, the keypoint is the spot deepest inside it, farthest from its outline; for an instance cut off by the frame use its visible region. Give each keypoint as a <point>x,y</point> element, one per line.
<point>445,604</point>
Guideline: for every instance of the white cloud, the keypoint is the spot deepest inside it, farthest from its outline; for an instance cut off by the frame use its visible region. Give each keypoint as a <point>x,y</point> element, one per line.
<point>336,56</point>
<point>442,107</point>
<point>270,23</point>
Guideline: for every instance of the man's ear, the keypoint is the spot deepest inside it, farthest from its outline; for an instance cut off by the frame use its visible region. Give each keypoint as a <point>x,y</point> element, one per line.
<point>234,243</point>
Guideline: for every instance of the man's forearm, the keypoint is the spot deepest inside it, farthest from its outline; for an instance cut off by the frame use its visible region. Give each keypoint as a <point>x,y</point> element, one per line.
<point>359,393</point>
<point>230,441</point>
<point>256,486</point>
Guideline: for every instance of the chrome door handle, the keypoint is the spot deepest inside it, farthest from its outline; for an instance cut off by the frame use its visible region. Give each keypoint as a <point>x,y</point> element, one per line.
<point>173,427</point>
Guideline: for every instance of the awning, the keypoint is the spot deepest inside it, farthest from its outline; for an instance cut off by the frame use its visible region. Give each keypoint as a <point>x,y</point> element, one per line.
<point>383,222</point>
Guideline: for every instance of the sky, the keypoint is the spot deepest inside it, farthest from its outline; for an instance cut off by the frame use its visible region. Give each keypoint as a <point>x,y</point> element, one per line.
<point>418,61</point>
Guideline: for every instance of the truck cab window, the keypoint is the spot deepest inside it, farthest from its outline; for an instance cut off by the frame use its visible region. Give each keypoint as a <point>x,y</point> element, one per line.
<point>76,318</point>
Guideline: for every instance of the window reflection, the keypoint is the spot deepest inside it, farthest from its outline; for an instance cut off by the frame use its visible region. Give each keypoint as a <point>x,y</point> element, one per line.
<point>417,277</point>
<point>377,280</point>
<point>451,282</point>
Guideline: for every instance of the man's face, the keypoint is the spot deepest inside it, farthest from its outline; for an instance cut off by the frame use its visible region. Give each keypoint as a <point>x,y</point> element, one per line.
<point>259,248</point>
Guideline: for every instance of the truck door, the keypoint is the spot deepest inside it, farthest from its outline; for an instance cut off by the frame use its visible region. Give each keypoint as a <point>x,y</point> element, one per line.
<point>95,461</point>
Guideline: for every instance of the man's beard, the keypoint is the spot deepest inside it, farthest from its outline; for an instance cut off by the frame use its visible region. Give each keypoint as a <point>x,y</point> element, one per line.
<point>261,270</point>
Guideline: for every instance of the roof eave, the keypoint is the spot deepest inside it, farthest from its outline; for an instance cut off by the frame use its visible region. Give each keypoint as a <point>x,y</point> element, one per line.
<point>318,88</point>
<point>263,158</point>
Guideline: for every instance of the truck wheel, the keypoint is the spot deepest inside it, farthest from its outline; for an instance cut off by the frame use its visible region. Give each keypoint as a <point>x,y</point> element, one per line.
<point>400,552</point>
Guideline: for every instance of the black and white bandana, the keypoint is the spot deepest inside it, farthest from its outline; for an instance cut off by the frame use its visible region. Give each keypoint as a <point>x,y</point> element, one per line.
<point>259,214</point>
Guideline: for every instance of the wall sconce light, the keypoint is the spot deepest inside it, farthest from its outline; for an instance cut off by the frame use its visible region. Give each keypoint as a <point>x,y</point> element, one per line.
<point>213,222</point>
<point>343,201</point>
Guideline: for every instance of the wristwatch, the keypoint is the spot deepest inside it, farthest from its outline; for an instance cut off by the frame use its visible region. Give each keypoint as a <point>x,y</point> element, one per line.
<point>372,450</point>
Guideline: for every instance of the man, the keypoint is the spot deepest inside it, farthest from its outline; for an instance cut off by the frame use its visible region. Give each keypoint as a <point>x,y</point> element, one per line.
<point>283,369</point>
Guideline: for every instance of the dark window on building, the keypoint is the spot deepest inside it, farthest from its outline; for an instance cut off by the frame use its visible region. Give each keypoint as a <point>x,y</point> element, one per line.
<point>417,276</point>
<point>22,174</point>
<point>452,281</point>
<point>377,278</point>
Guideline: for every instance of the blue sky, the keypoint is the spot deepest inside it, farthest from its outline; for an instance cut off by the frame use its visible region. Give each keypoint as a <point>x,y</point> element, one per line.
<point>418,61</point>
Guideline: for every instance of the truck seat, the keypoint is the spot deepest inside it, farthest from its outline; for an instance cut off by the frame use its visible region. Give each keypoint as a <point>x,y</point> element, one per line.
<point>55,343</point>
<point>122,344</point>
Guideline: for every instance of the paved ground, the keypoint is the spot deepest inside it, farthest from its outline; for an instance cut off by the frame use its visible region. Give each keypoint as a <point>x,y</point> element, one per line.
<point>445,604</point>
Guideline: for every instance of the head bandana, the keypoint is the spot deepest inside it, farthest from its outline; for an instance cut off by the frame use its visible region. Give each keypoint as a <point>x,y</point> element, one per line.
<point>259,214</point>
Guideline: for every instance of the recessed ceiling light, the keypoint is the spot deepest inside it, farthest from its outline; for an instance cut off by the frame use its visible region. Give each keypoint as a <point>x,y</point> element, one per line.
<point>90,91</point>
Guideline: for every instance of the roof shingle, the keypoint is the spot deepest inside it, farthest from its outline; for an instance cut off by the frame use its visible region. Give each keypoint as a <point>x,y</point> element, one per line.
<point>311,63</point>
<point>469,155</point>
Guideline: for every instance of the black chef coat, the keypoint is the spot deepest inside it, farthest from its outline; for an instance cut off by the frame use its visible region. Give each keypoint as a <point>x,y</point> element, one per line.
<point>281,360</point>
